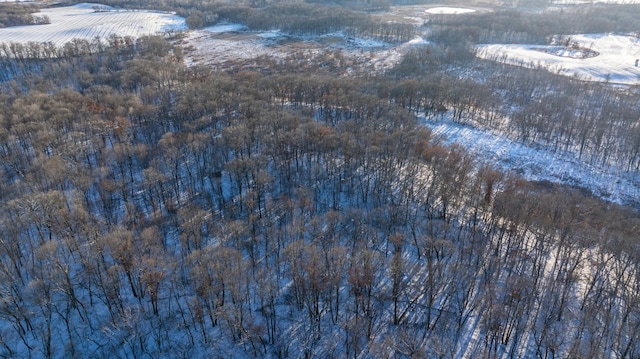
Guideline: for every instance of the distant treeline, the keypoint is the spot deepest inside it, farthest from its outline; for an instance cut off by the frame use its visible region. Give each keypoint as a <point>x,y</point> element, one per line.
<point>306,19</point>
<point>294,18</point>
<point>513,26</point>
<point>18,60</point>
<point>20,14</point>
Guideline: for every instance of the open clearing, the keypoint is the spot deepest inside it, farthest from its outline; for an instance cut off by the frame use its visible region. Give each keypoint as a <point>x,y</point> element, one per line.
<point>84,22</point>
<point>615,62</point>
<point>231,45</point>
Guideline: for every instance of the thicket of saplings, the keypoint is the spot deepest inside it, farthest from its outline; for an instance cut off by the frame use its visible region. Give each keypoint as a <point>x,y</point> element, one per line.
<point>149,209</point>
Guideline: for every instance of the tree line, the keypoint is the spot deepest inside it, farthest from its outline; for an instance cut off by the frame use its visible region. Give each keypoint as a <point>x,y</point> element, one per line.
<point>20,14</point>
<point>315,19</point>
<point>149,209</point>
<point>294,18</point>
<point>531,27</point>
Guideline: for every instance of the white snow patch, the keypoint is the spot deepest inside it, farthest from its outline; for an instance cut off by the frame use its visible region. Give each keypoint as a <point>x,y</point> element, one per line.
<point>93,6</point>
<point>448,10</point>
<point>222,28</point>
<point>615,62</point>
<point>365,43</point>
<point>274,34</point>
<point>84,22</point>
<point>205,49</point>
<point>202,48</point>
<point>417,42</point>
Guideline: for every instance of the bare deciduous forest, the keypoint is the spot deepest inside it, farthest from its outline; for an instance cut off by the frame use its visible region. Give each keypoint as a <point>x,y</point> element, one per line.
<point>150,209</point>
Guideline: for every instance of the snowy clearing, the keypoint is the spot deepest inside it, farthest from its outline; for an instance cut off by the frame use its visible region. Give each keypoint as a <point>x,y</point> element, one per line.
<point>539,164</point>
<point>615,61</point>
<point>448,11</point>
<point>232,44</point>
<point>84,22</point>
<point>222,28</point>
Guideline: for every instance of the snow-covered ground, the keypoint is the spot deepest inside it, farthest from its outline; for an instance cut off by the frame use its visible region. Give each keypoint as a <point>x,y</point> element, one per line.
<point>84,22</point>
<point>538,164</point>
<point>448,11</point>
<point>615,60</point>
<point>222,28</point>
<point>231,43</point>
<point>209,46</point>
<point>587,2</point>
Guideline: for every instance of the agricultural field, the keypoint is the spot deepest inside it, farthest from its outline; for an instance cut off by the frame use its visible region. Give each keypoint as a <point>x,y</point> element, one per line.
<point>88,21</point>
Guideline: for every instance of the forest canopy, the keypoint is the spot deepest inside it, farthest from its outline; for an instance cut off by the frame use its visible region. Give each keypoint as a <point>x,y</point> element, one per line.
<point>281,208</point>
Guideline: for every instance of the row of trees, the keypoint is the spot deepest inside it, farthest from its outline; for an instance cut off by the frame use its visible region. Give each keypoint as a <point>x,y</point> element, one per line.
<point>296,18</point>
<point>315,19</point>
<point>20,14</point>
<point>150,209</point>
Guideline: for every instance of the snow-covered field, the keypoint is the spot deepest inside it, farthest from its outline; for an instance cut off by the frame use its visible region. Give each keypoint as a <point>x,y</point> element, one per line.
<point>84,22</point>
<point>539,164</point>
<point>448,11</point>
<point>615,61</point>
<point>586,2</point>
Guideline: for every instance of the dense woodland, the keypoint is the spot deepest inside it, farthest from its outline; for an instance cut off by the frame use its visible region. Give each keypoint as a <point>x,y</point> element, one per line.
<point>149,209</point>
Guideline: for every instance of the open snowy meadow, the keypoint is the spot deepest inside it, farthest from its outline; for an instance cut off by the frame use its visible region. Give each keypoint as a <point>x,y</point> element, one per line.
<point>87,21</point>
